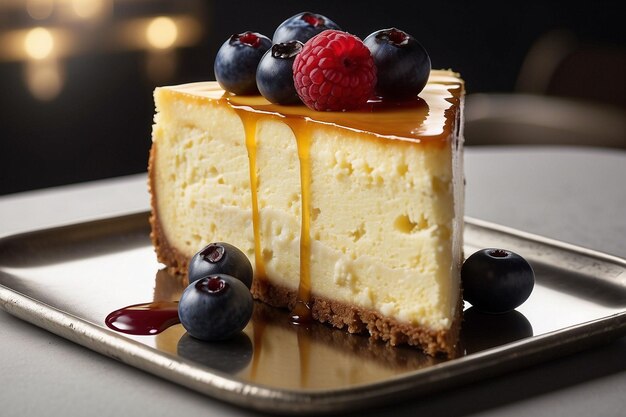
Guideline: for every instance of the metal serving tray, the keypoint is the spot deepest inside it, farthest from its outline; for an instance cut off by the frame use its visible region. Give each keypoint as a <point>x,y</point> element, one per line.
<point>68,279</point>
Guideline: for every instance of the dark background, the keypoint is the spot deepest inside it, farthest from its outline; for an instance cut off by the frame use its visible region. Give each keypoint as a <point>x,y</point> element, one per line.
<point>99,124</point>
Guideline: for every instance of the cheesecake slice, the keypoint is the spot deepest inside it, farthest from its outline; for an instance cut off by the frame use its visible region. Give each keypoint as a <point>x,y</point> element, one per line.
<point>351,218</point>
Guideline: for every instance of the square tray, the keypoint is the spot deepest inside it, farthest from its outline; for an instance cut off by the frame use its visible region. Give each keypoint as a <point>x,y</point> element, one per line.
<point>68,279</point>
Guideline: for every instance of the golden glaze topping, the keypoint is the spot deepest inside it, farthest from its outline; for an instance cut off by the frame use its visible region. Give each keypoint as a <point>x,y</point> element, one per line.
<point>424,119</point>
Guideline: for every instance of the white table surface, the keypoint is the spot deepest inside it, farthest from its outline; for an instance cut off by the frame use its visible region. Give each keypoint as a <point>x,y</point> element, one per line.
<point>577,195</point>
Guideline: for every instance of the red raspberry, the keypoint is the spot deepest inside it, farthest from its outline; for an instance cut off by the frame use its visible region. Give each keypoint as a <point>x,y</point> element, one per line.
<point>334,72</point>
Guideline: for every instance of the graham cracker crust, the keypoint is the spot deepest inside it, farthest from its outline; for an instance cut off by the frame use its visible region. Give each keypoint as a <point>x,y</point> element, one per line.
<point>352,318</point>
<point>355,319</point>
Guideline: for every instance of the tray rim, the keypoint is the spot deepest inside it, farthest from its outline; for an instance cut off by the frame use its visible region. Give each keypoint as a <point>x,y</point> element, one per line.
<point>226,388</point>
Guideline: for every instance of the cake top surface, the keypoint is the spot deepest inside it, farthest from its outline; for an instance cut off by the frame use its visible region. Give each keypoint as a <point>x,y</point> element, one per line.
<point>430,117</point>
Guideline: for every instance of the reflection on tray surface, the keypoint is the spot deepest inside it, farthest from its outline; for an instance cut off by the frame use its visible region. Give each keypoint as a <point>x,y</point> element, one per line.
<point>273,351</point>
<point>481,331</point>
<point>229,356</point>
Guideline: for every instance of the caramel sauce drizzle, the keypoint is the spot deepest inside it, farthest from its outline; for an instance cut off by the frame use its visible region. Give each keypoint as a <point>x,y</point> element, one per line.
<point>301,313</point>
<point>250,121</point>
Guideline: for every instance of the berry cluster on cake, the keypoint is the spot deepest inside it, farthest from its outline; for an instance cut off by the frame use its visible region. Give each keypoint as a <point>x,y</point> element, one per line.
<point>334,164</point>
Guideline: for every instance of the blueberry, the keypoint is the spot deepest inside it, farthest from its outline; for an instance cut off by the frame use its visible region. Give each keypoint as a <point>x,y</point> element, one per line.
<point>215,308</point>
<point>274,76</point>
<point>403,64</point>
<point>221,258</point>
<point>302,27</point>
<point>236,62</point>
<point>496,280</point>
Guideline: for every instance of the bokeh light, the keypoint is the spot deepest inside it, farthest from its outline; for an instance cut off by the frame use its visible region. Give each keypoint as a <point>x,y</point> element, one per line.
<point>39,43</point>
<point>162,33</point>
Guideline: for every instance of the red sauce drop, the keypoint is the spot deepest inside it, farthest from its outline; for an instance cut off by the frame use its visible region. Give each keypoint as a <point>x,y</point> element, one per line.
<point>144,319</point>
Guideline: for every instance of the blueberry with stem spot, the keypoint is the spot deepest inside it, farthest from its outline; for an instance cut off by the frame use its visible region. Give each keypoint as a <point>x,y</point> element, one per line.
<point>221,258</point>
<point>215,308</point>
<point>496,280</point>
<point>402,63</point>
<point>274,75</point>
<point>302,27</point>
<point>237,60</point>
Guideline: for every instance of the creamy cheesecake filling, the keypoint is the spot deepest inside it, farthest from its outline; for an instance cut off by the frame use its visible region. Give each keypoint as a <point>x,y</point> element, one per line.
<point>387,233</point>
